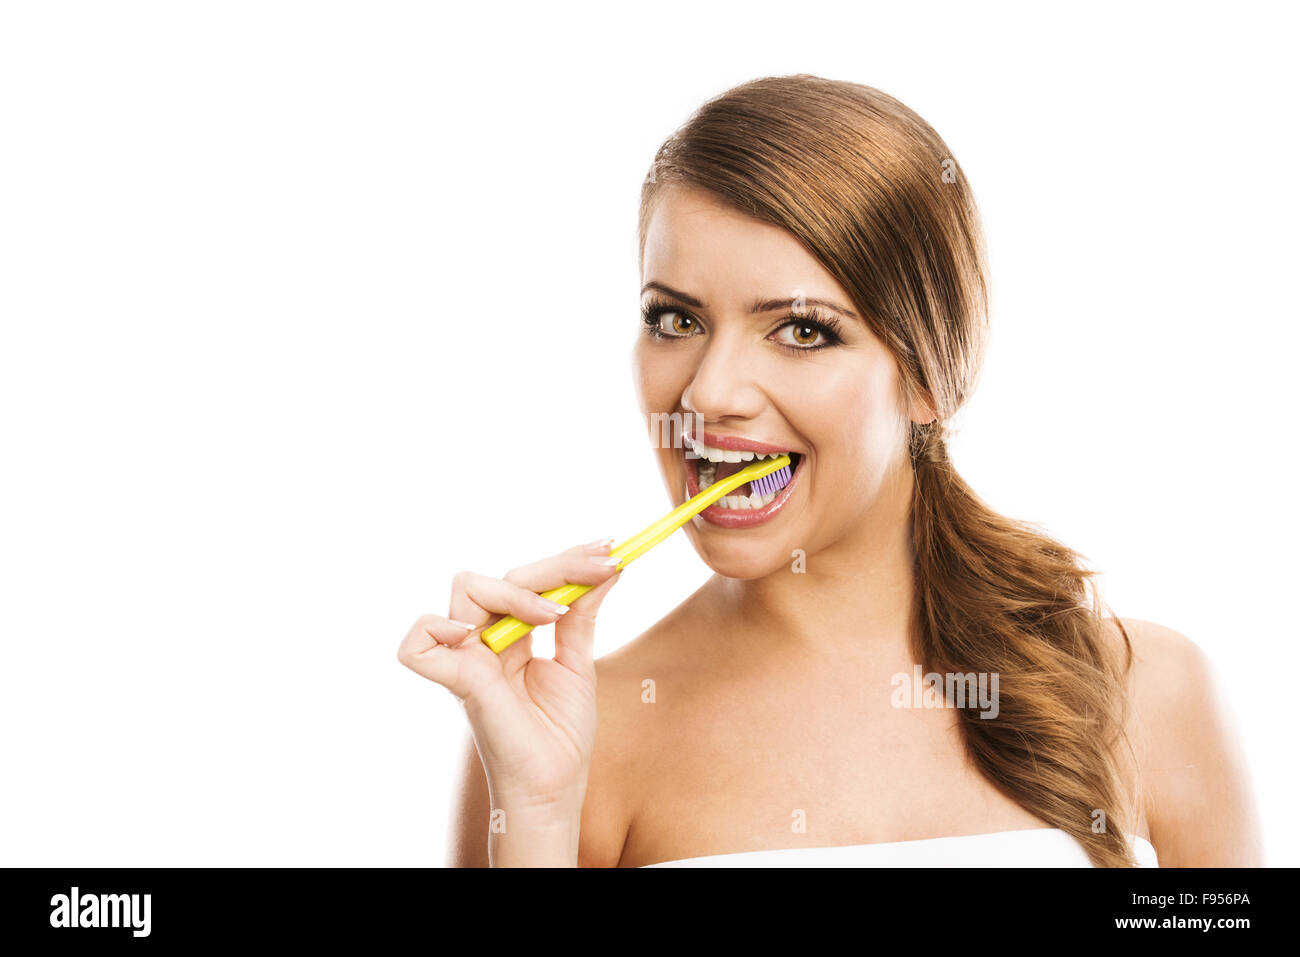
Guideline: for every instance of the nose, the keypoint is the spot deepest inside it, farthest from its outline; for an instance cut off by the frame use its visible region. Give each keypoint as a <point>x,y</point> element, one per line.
<point>725,384</point>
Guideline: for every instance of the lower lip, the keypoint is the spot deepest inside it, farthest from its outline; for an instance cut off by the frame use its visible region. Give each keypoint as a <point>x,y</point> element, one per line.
<point>738,517</point>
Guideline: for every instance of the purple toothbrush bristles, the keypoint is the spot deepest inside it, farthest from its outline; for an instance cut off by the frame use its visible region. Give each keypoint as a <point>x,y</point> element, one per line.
<point>771,483</point>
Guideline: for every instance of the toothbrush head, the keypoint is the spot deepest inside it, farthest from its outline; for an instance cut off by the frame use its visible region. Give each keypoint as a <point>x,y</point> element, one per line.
<point>771,483</point>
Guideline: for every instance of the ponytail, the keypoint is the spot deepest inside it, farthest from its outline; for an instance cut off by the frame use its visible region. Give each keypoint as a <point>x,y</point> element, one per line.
<point>996,596</point>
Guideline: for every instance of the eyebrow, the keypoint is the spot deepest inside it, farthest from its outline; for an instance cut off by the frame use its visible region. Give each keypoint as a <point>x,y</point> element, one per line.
<point>758,305</point>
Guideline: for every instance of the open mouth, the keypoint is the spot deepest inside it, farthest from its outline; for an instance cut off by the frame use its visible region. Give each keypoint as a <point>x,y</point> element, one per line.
<point>751,495</point>
<point>754,501</point>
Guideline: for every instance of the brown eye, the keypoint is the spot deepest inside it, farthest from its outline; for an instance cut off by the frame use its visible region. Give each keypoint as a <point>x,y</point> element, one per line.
<point>806,334</point>
<point>802,334</point>
<point>682,325</point>
<point>663,321</point>
<point>678,324</point>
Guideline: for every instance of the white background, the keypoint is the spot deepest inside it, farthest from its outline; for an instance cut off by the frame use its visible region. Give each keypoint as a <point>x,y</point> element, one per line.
<point>308,306</point>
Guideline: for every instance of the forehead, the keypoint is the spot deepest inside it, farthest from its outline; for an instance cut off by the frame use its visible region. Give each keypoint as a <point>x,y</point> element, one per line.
<point>696,243</point>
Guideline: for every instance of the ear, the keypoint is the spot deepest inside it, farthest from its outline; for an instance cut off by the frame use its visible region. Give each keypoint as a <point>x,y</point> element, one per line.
<point>922,408</point>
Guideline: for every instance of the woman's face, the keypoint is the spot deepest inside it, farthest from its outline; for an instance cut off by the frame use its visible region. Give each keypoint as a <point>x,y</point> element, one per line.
<point>734,356</point>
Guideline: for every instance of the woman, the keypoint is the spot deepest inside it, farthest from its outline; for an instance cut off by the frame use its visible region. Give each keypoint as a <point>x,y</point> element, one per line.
<point>814,283</point>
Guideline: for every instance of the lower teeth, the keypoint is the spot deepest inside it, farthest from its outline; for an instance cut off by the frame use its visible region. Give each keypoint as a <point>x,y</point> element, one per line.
<point>746,501</point>
<point>706,478</point>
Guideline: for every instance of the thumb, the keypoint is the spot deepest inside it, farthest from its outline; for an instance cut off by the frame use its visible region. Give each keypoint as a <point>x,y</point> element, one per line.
<point>575,632</point>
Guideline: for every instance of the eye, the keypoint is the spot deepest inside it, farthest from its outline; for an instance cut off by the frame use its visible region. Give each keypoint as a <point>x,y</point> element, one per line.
<point>804,334</point>
<point>678,323</point>
<point>665,322</point>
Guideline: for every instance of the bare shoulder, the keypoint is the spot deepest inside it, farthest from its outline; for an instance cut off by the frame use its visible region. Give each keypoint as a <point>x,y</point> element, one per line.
<point>1193,778</point>
<point>633,721</point>
<point>1164,660</point>
<point>1174,692</point>
<point>1168,673</point>
<point>624,686</point>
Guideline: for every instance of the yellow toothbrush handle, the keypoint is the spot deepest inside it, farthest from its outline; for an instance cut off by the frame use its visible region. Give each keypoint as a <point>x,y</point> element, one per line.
<point>508,630</point>
<point>502,634</point>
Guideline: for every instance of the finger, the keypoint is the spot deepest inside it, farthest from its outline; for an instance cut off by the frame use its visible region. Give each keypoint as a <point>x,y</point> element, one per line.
<point>580,565</point>
<point>461,670</point>
<point>446,631</point>
<point>514,660</point>
<point>429,630</point>
<point>476,598</point>
<point>575,634</point>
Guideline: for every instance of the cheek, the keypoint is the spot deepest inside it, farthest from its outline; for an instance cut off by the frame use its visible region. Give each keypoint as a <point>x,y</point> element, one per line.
<point>656,379</point>
<point>850,417</point>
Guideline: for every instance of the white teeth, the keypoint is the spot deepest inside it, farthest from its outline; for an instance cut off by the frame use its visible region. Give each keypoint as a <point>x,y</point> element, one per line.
<point>741,502</point>
<point>706,474</point>
<point>707,470</point>
<point>710,454</point>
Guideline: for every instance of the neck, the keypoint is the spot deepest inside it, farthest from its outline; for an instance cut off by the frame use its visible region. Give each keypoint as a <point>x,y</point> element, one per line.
<point>851,600</point>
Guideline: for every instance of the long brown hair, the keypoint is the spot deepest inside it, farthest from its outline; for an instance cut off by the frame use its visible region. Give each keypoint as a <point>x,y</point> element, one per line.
<point>877,197</point>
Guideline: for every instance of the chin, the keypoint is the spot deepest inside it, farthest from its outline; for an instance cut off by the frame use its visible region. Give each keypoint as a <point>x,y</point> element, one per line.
<point>743,560</point>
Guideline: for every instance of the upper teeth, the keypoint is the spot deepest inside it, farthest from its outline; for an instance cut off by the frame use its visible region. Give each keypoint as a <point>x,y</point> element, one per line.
<point>727,455</point>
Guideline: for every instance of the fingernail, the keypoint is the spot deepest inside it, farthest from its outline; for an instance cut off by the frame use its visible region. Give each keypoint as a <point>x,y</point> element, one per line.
<point>554,606</point>
<point>463,624</point>
<point>599,544</point>
<point>603,559</point>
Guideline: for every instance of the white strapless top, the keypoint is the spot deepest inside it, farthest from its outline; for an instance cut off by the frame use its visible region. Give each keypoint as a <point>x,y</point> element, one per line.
<point>1033,847</point>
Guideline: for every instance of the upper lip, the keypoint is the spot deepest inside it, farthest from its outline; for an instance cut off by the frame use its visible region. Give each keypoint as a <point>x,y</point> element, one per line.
<point>735,443</point>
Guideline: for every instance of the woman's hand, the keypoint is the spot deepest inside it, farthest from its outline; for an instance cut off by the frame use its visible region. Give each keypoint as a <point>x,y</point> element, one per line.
<point>533,719</point>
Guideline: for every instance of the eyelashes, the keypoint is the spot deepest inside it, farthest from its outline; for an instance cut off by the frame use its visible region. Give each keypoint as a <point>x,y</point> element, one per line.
<point>653,311</point>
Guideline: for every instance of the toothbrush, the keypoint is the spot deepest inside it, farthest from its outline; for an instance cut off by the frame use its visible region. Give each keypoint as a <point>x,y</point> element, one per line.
<point>768,475</point>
